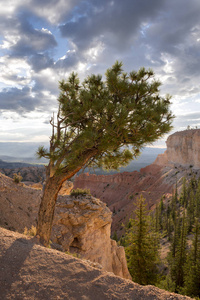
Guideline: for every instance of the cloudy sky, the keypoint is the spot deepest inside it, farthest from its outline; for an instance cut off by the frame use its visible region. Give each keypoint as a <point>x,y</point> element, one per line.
<point>41,42</point>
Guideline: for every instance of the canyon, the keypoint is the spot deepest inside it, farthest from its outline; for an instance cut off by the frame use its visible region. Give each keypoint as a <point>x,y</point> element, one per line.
<point>119,191</point>
<point>82,227</point>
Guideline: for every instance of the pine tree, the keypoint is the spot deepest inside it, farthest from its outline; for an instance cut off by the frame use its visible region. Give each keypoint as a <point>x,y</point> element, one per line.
<point>177,256</point>
<point>161,211</point>
<point>183,198</point>
<point>142,247</point>
<point>197,201</point>
<point>191,210</point>
<point>174,202</point>
<point>192,266</point>
<point>157,218</point>
<point>176,227</point>
<point>103,124</point>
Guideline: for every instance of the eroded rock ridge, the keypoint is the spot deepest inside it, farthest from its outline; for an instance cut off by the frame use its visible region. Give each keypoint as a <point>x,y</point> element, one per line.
<point>82,225</point>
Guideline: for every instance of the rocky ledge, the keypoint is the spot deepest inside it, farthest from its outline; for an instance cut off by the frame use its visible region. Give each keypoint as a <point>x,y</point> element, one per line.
<point>82,225</point>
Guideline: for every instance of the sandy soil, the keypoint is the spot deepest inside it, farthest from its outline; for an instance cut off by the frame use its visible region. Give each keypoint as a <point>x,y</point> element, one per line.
<point>30,271</point>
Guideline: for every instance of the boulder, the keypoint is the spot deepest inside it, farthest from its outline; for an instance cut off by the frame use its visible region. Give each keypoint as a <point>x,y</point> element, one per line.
<point>82,225</point>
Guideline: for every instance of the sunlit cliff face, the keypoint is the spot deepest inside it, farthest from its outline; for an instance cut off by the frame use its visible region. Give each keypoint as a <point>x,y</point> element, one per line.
<point>183,148</point>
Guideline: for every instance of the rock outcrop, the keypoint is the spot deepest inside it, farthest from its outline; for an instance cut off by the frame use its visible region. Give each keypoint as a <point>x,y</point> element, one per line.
<point>82,226</point>
<point>30,271</point>
<point>183,148</point>
<point>19,204</point>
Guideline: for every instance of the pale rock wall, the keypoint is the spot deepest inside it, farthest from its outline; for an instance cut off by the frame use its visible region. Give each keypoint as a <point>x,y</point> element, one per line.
<point>82,225</point>
<point>161,159</point>
<point>183,148</point>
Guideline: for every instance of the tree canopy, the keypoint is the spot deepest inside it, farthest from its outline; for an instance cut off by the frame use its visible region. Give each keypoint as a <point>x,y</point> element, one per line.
<point>142,245</point>
<point>99,119</point>
<point>102,123</point>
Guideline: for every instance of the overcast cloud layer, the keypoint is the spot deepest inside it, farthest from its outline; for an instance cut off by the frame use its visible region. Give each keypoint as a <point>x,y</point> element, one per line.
<point>41,42</point>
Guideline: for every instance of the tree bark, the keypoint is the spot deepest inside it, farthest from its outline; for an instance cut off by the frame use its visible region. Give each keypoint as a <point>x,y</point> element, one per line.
<point>47,207</point>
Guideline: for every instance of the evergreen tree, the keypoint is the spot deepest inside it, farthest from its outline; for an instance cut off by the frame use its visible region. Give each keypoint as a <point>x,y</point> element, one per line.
<point>182,214</point>
<point>142,247</point>
<point>192,266</point>
<point>197,201</point>
<point>177,256</point>
<point>174,202</point>
<point>191,210</point>
<point>176,227</point>
<point>157,218</point>
<point>161,212</point>
<point>183,198</point>
<point>169,222</point>
<point>95,122</point>
<point>176,192</point>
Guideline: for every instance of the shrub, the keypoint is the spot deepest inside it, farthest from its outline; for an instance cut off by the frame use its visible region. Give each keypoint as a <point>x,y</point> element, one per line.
<point>31,232</point>
<point>17,177</point>
<point>77,255</point>
<point>80,192</point>
<point>114,237</point>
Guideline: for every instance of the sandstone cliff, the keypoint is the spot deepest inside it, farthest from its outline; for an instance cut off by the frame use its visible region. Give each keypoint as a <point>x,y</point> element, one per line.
<point>183,148</point>
<point>82,226</point>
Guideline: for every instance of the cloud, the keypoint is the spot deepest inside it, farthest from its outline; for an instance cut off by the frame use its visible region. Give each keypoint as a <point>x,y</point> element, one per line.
<point>185,120</point>
<point>43,41</point>
<point>173,41</point>
<point>20,100</point>
<point>27,99</point>
<point>51,10</point>
<point>68,61</point>
<point>54,11</point>
<point>14,71</point>
<point>40,62</point>
<point>116,22</point>
<point>32,39</point>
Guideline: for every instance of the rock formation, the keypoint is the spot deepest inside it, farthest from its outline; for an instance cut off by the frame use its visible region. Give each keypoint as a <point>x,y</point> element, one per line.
<point>82,226</point>
<point>183,148</point>
<point>29,271</point>
<point>19,204</point>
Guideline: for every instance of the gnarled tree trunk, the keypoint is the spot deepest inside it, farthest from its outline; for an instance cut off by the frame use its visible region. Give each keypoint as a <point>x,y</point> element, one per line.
<point>47,207</point>
<point>53,185</point>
